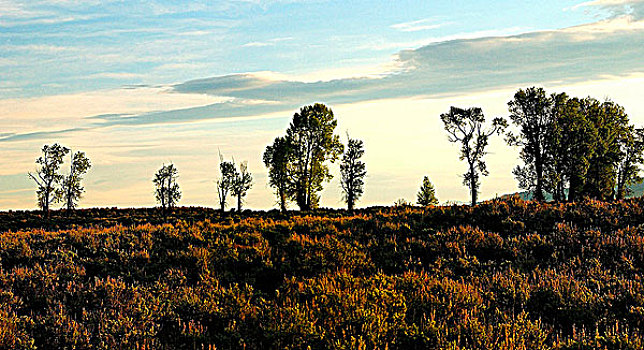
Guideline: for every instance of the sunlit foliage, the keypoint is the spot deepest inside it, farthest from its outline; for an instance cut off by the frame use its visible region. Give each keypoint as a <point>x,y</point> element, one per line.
<point>501,275</point>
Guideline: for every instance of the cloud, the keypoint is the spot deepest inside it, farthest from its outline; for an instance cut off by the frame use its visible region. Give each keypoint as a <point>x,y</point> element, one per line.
<point>270,42</point>
<point>615,8</point>
<point>45,20</point>
<point>446,67</point>
<point>116,75</point>
<point>460,65</point>
<point>606,3</point>
<point>40,48</point>
<point>438,39</point>
<point>423,24</point>
<point>66,112</point>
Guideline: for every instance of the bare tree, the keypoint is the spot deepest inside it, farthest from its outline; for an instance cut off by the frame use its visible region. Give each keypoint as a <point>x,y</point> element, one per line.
<point>466,126</point>
<point>353,171</point>
<point>167,189</point>
<point>71,190</point>
<point>47,177</point>
<point>242,182</point>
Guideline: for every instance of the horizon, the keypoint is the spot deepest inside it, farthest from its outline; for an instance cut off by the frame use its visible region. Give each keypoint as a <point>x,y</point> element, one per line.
<point>138,86</point>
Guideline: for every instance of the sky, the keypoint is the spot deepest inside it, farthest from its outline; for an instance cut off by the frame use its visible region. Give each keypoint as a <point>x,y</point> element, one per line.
<point>139,84</point>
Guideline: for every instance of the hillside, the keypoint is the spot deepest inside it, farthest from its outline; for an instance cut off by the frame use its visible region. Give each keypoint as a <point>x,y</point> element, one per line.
<point>637,190</point>
<point>502,275</point>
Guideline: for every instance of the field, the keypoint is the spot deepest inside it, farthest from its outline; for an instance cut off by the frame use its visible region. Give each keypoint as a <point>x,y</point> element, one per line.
<point>502,275</point>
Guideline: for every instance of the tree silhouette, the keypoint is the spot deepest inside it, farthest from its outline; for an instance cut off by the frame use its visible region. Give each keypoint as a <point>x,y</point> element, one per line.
<point>167,190</point>
<point>312,143</point>
<point>628,170</point>
<point>226,181</point>
<point>71,189</point>
<point>47,177</point>
<point>277,160</point>
<point>466,126</point>
<point>242,182</point>
<point>531,111</point>
<point>611,125</point>
<point>569,145</point>
<point>353,171</point>
<point>426,195</point>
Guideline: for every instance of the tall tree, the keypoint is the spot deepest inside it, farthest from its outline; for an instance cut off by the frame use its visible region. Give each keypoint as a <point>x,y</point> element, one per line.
<point>312,142</point>
<point>167,189</point>
<point>612,127</point>
<point>427,194</point>
<point>228,174</point>
<point>628,171</point>
<point>242,182</point>
<point>72,190</point>
<point>277,160</point>
<point>47,177</point>
<point>466,126</point>
<point>569,141</point>
<point>531,112</point>
<point>353,171</point>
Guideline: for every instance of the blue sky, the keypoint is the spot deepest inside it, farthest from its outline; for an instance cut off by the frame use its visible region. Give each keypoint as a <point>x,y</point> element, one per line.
<point>53,47</point>
<point>123,79</point>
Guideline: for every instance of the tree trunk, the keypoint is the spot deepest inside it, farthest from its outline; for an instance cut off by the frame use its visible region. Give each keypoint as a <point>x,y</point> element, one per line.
<point>350,201</point>
<point>45,202</point>
<point>538,165</point>
<point>473,188</point>
<point>282,200</point>
<point>239,203</point>
<point>474,194</point>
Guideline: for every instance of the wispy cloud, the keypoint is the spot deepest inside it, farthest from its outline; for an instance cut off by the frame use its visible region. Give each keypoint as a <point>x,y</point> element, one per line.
<point>422,24</point>
<point>40,48</point>
<point>604,3</point>
<point>615,8</point>
<point>45,20</point>
<point>270,42</point>
<point>438,39</point>
<point>116,75</point>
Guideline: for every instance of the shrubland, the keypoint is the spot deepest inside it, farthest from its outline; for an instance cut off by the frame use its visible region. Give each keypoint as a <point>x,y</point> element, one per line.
<point>505,274</point>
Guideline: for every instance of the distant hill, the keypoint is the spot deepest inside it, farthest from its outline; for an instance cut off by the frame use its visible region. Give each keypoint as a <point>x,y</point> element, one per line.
<point>637,191</point>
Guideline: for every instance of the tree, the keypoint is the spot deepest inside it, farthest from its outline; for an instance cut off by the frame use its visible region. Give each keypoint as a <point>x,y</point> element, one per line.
<point>312,143</point>
<point>226,181</point>
<point>242,182</point>
<point>611,125</point>
<point>71,190</point>
<point>531,111</point>
<point>353,171</point>
<point>277,160</point>
<point>167,189</point>
<point>47,177</point>
<point>628,169</point>
<point>466,126</point>
<point>569,146</point>
<point>427,195</point>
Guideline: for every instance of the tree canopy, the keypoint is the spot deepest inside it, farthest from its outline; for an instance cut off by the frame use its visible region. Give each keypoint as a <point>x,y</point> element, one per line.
<point>353,171</point>
<point>71,187</point>
<point>298,162</point>
<point>47,176</point>
<point>167,189</point>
